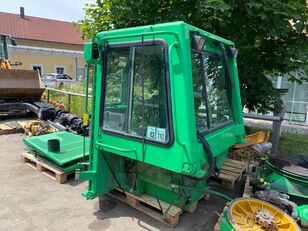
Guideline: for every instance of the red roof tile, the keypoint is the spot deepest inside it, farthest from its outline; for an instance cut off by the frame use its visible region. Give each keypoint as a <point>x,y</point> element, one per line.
<point>39,29</point>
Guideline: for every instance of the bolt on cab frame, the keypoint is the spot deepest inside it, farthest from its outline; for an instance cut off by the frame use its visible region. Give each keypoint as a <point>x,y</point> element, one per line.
<point>165,109</point>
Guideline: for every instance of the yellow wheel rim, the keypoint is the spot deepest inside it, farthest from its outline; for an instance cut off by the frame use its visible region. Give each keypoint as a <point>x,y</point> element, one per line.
<point>242,211</point>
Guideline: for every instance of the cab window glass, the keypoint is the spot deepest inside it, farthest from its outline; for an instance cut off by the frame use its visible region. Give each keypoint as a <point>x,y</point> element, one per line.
<point>216,87</point>
<point>212,106</point>
<point>199,92</point>
<point>116,103</point>
<point>135,99</point>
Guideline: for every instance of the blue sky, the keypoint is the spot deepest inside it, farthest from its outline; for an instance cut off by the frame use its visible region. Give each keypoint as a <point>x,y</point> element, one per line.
<point>65,10</point>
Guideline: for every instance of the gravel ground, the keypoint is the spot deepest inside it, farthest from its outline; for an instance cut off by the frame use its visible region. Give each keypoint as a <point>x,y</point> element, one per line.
<point>31,201</point>
<point>287,126</point>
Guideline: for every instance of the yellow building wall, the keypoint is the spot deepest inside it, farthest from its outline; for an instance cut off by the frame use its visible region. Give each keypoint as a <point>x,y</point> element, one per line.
<point>48,63</point>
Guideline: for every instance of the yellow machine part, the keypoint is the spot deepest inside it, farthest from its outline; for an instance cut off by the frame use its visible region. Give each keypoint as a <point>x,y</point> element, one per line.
<point>242,212</point>
<point>5,64</point>
<point>36,127</point>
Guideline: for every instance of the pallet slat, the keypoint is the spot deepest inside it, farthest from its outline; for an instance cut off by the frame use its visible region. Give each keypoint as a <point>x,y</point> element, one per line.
<point>246,193</point>
<point>49,171</point>
<point>9,128</point>
<point>143,203</point>
<point>173,210</point>
<point>248,190</point>
<point>231,172</point>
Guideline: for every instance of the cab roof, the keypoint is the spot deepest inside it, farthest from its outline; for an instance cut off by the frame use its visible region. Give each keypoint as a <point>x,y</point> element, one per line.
<point>179,27</point>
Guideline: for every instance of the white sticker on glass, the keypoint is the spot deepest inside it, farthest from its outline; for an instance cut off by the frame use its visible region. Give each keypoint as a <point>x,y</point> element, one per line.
<point>155,133</point>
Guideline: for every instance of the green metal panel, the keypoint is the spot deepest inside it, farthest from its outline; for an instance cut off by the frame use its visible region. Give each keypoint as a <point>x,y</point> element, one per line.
<point>185,155</point>
<point>71,147</point>
<point>225,224</point>
<point>302,213</point>
<point>286,182</point>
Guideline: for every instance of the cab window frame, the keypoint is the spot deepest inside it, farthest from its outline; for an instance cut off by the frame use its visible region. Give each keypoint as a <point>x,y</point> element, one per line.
<point>166,82</point>
<point>210,129</point>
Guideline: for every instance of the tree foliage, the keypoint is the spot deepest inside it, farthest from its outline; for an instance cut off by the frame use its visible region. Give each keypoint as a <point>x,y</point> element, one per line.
<point>270,34</point>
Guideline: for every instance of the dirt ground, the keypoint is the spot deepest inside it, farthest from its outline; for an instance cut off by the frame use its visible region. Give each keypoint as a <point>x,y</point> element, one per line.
<point>31,201</point>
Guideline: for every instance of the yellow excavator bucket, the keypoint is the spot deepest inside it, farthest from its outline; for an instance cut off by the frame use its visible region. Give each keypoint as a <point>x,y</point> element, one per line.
<point>20,84</point>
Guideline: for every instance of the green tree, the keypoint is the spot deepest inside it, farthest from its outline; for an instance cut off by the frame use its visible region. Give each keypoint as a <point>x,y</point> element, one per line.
<point>270,34</point>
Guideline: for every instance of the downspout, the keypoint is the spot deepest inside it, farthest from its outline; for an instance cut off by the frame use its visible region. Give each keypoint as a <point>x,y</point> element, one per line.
<point>76,69</point>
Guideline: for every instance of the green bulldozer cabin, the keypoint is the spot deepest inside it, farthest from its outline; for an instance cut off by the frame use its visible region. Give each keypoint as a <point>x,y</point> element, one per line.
<point>166,107</point>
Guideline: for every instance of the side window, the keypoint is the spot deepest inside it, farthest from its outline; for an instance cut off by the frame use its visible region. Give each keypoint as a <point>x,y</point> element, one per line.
<point>212,107</point>
<point>216,87</point>
<point>199,92</point>
<point>135,98</point>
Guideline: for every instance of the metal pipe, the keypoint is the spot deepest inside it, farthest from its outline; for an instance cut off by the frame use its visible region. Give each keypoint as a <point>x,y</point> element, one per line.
<point>57,125</point>
<point>87,88</point>
<point>263,117</point>
<point>218,194</point>
<point>76,69</point>
<point>276,131</point>
<point>69,102</point>
<point>67,92</point>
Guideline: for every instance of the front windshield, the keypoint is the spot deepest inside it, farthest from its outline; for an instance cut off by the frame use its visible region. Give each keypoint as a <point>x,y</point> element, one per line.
<point>212,107</point>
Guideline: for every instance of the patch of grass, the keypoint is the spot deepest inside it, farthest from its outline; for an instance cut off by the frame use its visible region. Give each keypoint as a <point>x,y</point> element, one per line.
<point>289,143</point>
<point>293,143</point>
<point>77,106</point>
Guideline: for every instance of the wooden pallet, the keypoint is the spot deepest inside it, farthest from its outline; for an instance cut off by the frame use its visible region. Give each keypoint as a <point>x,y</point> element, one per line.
<point>10,128</point>
<point>231,172</point>
<point>149,206</point>
<point>248,190</point>
<point>246,193</point>
<point>50,171</point>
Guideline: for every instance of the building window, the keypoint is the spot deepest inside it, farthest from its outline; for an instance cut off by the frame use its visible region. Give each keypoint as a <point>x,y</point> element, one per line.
<point>60,70</point>
<point>81,72</point>
<point>37,67</point>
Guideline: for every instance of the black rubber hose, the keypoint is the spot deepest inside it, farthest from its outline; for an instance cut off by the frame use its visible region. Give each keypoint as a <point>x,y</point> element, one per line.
<point>210,157</point>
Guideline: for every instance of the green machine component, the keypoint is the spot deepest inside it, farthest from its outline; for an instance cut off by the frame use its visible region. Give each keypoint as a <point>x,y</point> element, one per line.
<point>286,174</point>
<point>73,149</point>
<point>254,214</point>
<point>302,213</point>
<point>165,109</point>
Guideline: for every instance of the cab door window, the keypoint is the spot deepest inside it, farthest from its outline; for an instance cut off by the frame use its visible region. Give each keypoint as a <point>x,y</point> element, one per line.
<point>135,97</point>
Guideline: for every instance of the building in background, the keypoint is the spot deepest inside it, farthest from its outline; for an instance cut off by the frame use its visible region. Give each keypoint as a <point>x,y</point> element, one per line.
<point>295,100</point>
<point>46,45</point>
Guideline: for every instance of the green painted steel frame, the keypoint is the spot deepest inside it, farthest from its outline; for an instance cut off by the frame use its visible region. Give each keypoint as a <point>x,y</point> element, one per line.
<point>185,155</point>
